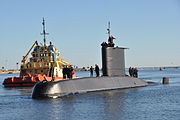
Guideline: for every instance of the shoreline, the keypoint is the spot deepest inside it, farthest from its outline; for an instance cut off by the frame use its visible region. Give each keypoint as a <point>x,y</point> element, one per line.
<point>85,69</point>
<point>9,71</point>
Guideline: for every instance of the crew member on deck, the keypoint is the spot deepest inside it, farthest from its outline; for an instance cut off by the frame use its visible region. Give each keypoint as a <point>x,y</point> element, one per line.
<point>70,72</point>
<point>136,72</point>
<point>64,71</point>
<point>97,70</point>
<point>91,71</point>
<point>130,71</point>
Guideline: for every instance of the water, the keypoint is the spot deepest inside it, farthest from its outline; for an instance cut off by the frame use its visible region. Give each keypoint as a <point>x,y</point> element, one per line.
<point>157,102</point>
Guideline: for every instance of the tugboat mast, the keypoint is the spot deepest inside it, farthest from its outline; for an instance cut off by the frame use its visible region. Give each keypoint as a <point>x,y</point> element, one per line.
<point>44,32</point>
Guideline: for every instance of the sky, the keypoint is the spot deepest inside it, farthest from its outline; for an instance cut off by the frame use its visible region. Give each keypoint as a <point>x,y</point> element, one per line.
<point>149,28</point>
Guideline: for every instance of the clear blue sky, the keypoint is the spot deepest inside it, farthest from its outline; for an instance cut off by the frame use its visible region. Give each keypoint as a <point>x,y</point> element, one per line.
<point>150,28</point>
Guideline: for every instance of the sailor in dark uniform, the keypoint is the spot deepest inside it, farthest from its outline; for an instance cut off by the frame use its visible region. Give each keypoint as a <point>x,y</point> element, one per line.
<point>97,70</point>
<point>64,71</point>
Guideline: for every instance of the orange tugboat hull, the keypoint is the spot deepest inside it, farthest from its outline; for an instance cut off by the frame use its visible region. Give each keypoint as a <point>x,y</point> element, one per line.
<point>28,81</point>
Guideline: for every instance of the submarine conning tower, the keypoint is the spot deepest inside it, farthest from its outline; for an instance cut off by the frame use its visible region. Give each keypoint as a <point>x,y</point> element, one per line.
<point>113,61</point>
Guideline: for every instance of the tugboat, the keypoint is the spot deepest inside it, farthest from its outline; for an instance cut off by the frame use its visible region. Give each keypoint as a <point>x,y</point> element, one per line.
<point>45,64</point>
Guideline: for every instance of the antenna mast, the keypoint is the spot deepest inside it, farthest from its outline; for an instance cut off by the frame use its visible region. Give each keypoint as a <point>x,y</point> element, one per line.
<point>109,30</point>
<point>44,32</point>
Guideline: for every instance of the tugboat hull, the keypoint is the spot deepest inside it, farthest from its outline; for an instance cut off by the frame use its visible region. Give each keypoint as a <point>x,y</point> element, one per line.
<point>20,84</point>
<point>24,81</point>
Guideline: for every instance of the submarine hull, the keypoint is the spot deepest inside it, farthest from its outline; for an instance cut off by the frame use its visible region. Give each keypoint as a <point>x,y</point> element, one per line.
<point>83,85</point>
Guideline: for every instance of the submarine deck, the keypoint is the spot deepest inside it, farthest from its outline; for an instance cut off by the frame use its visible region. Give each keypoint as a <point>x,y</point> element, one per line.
<point>83,85</point>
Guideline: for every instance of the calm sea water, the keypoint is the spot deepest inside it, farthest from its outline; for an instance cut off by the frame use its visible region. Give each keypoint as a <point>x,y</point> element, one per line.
<point>157,102</point>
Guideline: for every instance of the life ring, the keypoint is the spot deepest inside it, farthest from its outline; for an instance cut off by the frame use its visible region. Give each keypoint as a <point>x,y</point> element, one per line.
<point>27,74</point>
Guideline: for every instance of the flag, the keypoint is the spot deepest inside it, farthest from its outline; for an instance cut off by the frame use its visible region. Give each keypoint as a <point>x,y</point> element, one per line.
<point>113,37</point>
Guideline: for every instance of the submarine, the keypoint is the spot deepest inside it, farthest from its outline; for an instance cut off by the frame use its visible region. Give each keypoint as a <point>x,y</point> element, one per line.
<point>113,77</point>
